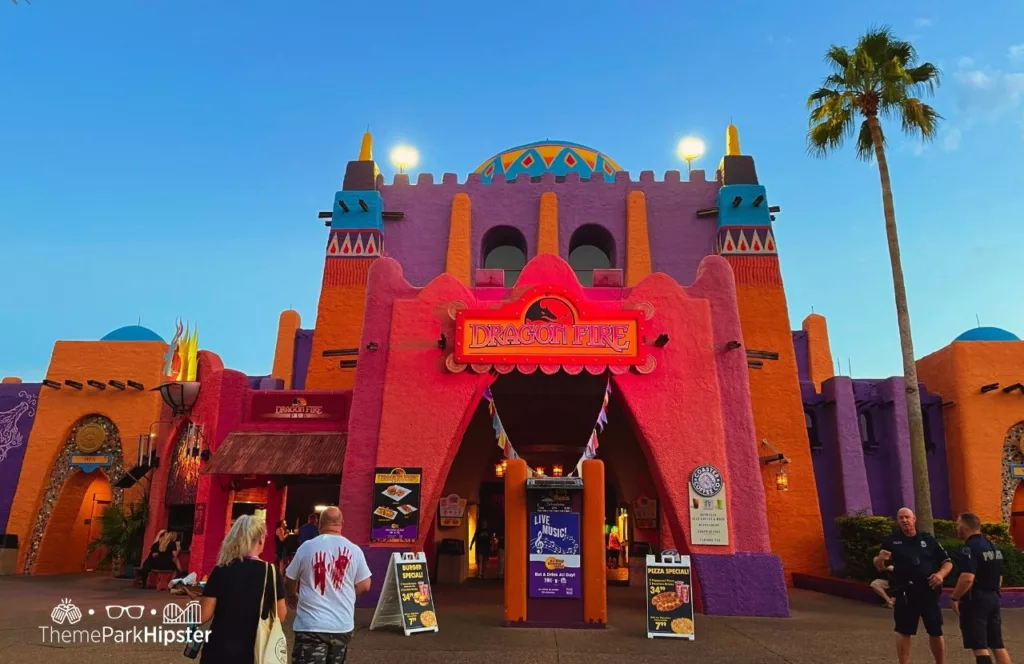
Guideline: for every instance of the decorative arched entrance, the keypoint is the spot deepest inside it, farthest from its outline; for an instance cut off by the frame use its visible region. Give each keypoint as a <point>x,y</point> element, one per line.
<point>1013,486</point>
<point>76,493</point>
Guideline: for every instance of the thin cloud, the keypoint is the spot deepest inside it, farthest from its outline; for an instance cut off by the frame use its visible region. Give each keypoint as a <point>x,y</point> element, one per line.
<point>1016,54</point>
<point>779,41</point>
<point>923,22</point>
<point>986,92</point>
<point>951,141</point>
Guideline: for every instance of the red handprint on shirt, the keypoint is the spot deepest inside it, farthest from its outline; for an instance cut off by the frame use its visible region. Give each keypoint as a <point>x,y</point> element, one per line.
<point>339,565</point>
<point>320,571</point>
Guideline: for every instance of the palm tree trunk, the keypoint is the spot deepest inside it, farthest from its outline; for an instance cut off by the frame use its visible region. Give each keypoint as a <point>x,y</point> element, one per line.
<point>918,453</point>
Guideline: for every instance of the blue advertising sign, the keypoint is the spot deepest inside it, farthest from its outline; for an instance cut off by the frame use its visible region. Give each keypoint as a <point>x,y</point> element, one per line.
<point>555,555</point>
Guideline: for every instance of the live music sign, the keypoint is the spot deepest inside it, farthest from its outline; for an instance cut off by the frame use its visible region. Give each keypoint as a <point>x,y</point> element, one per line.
<point>546,326</point>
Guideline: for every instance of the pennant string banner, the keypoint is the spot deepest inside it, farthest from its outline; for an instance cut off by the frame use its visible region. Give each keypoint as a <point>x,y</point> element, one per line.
<point>592,444</point>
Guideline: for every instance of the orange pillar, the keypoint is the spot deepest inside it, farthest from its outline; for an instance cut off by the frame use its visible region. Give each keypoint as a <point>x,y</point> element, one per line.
<point>547,232</point>
<point>515,541</point>
<point>595,587</point>
<point>459,260</point>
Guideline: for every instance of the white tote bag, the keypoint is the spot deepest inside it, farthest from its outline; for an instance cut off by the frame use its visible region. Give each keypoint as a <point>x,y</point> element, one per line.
<point>271,646</point>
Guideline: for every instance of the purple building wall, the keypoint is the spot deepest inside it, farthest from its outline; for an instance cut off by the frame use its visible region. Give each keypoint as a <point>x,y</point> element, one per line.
<point>678,238</point>
<point>938,467</point>
<point>18,403</point>
<point>874,477</point>
<point>803,368</point>
<point>300,359</point>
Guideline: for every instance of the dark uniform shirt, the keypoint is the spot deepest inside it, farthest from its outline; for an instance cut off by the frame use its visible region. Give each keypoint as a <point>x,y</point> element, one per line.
<point>982,559</point>
<point>914,558</point>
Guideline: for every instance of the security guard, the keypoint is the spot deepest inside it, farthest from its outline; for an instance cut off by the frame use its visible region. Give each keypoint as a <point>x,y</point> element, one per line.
<point>920,566</point>
<point>976,596</point>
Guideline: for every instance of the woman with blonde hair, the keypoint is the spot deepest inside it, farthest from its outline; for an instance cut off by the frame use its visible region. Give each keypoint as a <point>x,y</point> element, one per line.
<point>237,587</point>
<point>163,555</point>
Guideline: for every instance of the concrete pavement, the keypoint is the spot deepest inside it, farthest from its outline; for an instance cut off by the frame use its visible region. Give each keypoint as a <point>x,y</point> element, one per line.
<point>822,629</point>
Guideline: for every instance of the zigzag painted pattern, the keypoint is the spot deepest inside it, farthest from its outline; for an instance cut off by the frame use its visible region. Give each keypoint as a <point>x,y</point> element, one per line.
<point>344,243</point>
<point>754,240</point>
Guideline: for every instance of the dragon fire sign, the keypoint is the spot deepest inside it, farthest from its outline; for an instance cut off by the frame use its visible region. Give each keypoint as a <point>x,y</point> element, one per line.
<point>546,327</point>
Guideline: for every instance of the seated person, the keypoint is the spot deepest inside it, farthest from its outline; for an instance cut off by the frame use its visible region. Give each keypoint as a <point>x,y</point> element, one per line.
<point>881,585</point>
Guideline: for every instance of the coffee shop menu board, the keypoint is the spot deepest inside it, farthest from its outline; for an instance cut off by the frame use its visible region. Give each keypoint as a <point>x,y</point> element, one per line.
<point>396,505</point>
<point>405,598</point>
<point>669,597</point>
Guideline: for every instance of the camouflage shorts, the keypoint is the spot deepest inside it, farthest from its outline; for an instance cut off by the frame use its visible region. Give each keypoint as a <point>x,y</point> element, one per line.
<point>320,648</point>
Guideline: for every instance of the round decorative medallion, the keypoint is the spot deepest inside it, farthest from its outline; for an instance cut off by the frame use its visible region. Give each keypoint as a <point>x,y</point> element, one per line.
<point>90,437</point>
<point>706,481</point>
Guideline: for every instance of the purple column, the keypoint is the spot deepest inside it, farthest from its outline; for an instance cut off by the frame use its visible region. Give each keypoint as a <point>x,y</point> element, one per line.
<point>852,477</point>
<point>896,443</point>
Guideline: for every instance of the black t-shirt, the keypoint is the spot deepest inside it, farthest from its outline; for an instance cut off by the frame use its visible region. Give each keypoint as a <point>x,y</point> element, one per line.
<point>483,541</point>
<point>237,587</point>
<point>914,558</point>
<point>982,559</point>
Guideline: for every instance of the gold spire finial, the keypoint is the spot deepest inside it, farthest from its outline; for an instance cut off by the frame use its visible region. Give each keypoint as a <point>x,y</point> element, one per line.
<point>732,140</point>
<point>366,147</point>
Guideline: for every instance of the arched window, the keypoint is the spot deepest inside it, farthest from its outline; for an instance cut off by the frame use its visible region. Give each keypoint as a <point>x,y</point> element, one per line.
<point>591,248</point>
<point>504,248</point>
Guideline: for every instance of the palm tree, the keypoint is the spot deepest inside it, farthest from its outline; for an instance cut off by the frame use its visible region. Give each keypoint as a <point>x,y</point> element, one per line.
<point>881,77</point>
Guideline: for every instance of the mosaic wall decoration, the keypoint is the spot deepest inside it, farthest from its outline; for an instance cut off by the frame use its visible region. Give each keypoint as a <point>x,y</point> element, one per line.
<point>183,479</point>
<point>63,470</point>
<point>1013,453</point>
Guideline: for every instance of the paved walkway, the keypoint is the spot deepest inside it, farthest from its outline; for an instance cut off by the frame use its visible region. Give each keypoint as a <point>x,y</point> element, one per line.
<point>822,629</point>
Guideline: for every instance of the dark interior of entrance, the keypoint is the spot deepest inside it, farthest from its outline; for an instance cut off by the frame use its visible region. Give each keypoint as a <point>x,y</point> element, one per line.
<point>548,419</point>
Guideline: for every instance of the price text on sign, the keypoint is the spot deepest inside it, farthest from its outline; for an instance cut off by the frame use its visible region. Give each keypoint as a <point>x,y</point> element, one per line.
<point>669,600</point>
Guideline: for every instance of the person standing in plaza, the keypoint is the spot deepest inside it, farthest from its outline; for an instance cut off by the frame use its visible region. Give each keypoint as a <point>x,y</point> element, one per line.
<point>920,565</point>
<point>238,587</point>
<point>329,572</point>
<point>310,529</point>
<point>976,598</point>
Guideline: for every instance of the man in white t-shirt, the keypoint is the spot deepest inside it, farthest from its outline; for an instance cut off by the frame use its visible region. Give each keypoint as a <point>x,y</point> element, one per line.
<point>330,572</point>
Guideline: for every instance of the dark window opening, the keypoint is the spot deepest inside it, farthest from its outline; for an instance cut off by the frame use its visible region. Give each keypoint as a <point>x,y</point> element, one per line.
<point>867,431</point>
<point>591,248</point>
<point>504,248</point>
<point>811,422</point>
<point>929,442</point>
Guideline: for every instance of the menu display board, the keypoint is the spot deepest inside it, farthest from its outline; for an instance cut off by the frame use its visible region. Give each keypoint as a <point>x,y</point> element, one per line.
<point>554,564</point>
<point>450,511</point>
<point>396,505</point>
<point>669,597</point>
<point>405,598</point>
<point>709,509</point>
<point>645,513</point>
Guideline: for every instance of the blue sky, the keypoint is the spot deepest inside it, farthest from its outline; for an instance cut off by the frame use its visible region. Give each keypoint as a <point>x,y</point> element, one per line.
<point>135,132</point>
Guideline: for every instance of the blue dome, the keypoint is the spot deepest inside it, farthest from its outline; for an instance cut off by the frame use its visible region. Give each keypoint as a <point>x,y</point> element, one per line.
<point>132,333</point>
<point>987,334</point>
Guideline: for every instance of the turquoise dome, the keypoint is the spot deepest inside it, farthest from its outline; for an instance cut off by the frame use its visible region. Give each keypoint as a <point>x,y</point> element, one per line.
<point>987,334</point>
<point>132,333</point>
<point>558,157</point>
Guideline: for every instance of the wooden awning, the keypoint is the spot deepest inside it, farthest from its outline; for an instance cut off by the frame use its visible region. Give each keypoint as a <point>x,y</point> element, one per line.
<point>280,454</point>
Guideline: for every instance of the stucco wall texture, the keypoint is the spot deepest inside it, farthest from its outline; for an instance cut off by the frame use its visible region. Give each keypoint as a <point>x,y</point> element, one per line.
<point>976,424</point>
<point>420,240</point>
<point>132,411</point>
<point>683,417</point>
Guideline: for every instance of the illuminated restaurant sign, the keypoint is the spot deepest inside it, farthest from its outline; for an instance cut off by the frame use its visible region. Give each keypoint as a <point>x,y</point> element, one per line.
<point>547,327</point>
<point>309,406</point>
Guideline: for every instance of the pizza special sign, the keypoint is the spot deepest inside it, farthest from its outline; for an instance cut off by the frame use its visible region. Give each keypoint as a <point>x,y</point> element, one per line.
<point>547,327</point>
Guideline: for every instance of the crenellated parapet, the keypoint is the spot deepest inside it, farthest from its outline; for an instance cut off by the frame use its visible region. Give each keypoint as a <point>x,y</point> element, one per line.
<point>452,179</point>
